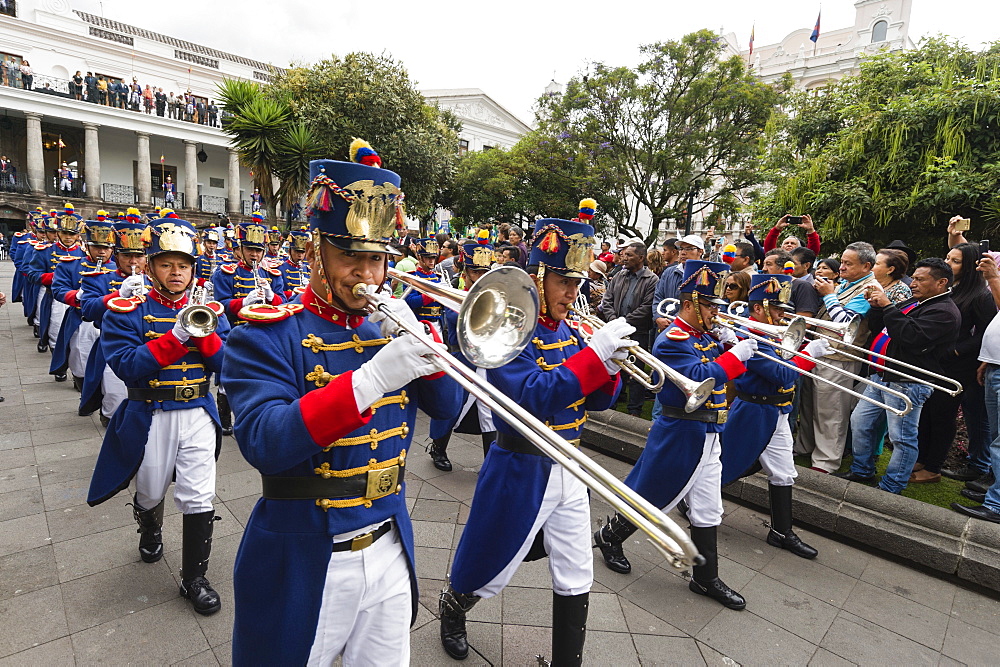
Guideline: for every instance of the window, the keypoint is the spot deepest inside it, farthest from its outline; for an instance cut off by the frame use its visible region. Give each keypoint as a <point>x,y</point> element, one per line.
<point>216,182</point>
<point>879,31</point>
<point>487,148</point>
<point>8,7</point>
<point>463,146</point>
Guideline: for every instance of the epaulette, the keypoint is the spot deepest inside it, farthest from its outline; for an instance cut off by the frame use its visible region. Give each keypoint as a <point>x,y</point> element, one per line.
<point>273,271</point>
<point>17,234</point>
<point>69,258</point>
<point>674,333</point>
<point>42,246</point>
<point>216,307</point>
<point>122,304</point>
<point>262,313</point>
<point>98,272</point>
<point>228,268</point>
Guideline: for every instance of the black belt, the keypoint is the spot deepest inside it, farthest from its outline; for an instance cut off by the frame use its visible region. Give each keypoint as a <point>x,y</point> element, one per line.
<point>181,392</point>
<point>766,399</point>
<point>371,484</point>
<point>520,445</point>
<point>709,416</point>
<point>363,541</point>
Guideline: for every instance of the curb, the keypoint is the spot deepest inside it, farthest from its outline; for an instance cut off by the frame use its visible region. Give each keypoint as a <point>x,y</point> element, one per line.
<point>914,531</point>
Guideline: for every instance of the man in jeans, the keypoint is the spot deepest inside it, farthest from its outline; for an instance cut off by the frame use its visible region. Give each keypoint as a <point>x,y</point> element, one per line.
<point>919,331</point>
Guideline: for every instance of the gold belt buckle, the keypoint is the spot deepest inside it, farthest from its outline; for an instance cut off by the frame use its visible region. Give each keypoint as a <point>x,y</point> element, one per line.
<point>362,541</point>
<point>723,416</point>
<point>381,482</point>
<point>185,392</point>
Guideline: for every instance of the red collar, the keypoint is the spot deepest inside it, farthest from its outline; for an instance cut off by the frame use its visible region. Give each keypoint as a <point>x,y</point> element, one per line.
<point>316,305</point>
<point>420,272</point>
<point>160,299</point>
<point>241,265</point>
<point>548,322</point>
<point>72,247</point>
<point>686,328</point>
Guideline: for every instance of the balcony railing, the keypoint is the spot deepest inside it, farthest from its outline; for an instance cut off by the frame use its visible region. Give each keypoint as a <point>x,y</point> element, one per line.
<point>72,188</point>
<point>14,183</point>
<point>246,207</point>
<point>212,204</point>
<point>178,202</point>
<point>112,193</point>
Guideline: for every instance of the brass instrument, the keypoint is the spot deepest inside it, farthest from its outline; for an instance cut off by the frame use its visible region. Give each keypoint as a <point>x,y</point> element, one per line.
<point>499,313</point>
<point>197,319</point>
<point>841,332</point>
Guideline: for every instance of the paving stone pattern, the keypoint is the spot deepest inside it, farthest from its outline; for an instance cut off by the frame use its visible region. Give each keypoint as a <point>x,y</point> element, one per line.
<point>72,588</point>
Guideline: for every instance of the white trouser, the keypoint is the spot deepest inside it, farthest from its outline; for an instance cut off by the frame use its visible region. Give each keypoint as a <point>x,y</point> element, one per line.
<point>485,414</point>
<point>181,441</point>
<point>80,346</point>
<point>55,320</point>
<point>565,517</point>
<point>38,305</point>
<point>114,391</point>
<point>366,607</point>
<point>703,492</point>
<point>776,459</point>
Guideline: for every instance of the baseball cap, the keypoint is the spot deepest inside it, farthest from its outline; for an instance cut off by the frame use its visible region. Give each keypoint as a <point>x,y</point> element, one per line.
<point>693,239</point>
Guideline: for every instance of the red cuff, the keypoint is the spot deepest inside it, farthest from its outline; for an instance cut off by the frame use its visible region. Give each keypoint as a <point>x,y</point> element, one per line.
<point>611,386</point>
<point>288,293</point>
<point>804,364</point>
<point>331,412</point>
<point>47,279</point>
<point>437,339</point>
<point>201,282</point>
<point>588,369</point>
<point>71,300</point>
<point>108,297</point>
<point>277,300</point>
<point>428,300</point>
<point>731,365</point>
<point>167,349</point>
<point>235,306</point>
<point>208,345</point>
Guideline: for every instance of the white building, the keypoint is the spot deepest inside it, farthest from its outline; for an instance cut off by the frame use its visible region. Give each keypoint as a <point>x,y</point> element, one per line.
<point>115,153</point>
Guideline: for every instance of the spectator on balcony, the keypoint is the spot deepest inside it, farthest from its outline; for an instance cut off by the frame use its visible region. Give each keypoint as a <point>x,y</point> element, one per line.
<point>202,110</point>
<point>102,91</point>
<point>147,99</point>
<point>65,179</point>
<point>135,95</point>
<point>173,106</point>
<point>76,87</point>
<point>169,192</point>
<point>26,75</point>
<point>7,171</point>
<point>213,114</point>
<point>161,102</point>
<point>90,81</point>
<point>189,108</point>
<point>13,74</point>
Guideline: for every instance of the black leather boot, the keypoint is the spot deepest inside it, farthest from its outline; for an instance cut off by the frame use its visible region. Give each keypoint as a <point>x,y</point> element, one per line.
<point>569,628</point>
<point>78,383</point>
<point>43,346</point>
<point>452,607</point>
<point>488,439</point>
<point>609,540</point>
<point>706,577</point>
<point>194,563</point>
<point>150,538</point>
<point>781,534</point>
<point>225,414</point>
<point>439,453</point>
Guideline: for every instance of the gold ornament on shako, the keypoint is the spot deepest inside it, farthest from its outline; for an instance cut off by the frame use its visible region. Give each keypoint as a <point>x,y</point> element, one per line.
<point>720,283</point>
<point>175,238</point>
<point>578,254</point>
<point>785,294</point>
<point>482,257</point>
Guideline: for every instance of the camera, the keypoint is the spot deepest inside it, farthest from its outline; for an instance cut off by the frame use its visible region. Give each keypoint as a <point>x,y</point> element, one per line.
<point>984,246</point>
<point>794,220</point>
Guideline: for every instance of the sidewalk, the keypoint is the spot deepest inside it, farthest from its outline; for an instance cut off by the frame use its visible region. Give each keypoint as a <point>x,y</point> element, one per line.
<point>72,588</point>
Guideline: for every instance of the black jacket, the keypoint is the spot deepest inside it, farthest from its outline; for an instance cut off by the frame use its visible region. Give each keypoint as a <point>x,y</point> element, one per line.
<point>923,337</point>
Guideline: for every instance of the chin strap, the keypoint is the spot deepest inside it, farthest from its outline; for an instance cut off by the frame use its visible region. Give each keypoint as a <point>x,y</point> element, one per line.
<point>329,296</point>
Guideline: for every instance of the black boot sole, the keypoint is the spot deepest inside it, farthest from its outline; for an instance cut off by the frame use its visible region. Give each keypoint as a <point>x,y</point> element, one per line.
<point>736,606</point>
<point>152,558</point>
<point>802,550</point>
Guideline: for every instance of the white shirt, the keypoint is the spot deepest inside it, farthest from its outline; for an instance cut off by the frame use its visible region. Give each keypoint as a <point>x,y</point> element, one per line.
<point>990,350</point>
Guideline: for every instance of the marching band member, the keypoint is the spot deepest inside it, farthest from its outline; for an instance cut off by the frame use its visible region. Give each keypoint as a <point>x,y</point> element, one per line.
<point>476,260</point>
<point>168,427</point>
<point>681,457</point>
<point>325,406</point>
<point>522,497</point>
<point>19,256</point>
<point>76,337</point>
<point>19,240</point>
<point>294,270</point>
<point>758,428</point>
<point>272,253</point>
<point>41,270</point>
<point>210,259</point>
<point>102,389</point>
<point>425,307</point>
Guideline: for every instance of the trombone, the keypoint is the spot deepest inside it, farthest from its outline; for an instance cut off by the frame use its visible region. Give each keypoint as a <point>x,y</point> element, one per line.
<point>841,332</point>
<point>505,301</point>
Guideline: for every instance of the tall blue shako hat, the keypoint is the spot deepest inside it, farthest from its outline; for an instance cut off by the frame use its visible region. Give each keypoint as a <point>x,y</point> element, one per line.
<point>425,247</point>
<point>129,232</point>
<point>170,235</point>
<point>298,239</point>
<point>704,281</point>
<point>477,256</point>
<point>69,220</point>
<point>355,205</point>
<point>771,290</point>
<point>250,235</point>
<point>275,235</point>
<point>564,246</point>
<point>100,232</point>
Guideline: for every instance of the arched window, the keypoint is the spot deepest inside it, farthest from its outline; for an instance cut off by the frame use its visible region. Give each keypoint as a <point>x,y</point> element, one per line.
<point>878,31</point>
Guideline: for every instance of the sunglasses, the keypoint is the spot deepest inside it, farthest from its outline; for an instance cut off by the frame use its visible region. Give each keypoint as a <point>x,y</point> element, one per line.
<point>732,286</point>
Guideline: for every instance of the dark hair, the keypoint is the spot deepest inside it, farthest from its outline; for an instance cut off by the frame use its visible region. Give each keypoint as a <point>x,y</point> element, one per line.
<point>782,255</point>
<point>804,255</point>
<point>670,243</point>
<point>746,250</point>
<point>895,260</point>
<point>968,285</point>
<point>638,248</point>
<point>832,263</point>
<point>937,267</point>
<point>606,243</point>
<point>743,279</point>
<point>513,251</point>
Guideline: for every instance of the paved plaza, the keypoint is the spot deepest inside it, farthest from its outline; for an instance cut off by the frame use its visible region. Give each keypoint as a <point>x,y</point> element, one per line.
<point>73,590</point>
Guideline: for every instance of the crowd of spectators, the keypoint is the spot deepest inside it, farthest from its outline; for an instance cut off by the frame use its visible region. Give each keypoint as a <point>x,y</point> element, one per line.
<point>116,93</point>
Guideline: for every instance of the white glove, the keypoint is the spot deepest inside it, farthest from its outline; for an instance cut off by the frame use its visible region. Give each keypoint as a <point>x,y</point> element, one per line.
<point>609,338</point>
<point>744,349</point>
<point>79,293</point>
<point>400,309</point>
<point>253,297</point>
<point>610,366</point>
<point>819,348</point>
<point>395,366</point>
<point>268,292</point>
<point>725,335</point>
<point>132,286</point>
<point>179,332</point>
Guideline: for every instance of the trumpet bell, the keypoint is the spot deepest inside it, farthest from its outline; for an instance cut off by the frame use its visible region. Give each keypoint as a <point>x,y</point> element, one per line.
<point>696,392</point>
<point>198,320</point>
<point>497,317</point>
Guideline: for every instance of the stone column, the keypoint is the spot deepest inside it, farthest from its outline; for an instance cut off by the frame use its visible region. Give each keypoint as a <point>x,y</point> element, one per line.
<point>143,175</point>
<point>190,174</point>
<point>234,183</point>
<point>92,161</point>
<point>36,163</point>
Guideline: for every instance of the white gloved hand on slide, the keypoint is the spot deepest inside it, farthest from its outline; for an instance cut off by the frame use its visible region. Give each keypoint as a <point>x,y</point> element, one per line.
<point>400,362</point>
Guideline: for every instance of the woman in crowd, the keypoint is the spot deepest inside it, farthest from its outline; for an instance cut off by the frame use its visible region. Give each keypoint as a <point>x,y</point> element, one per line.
<point>890,267</point>
<point>654,260</point>
<point>598,273</point>
<point>26,75</point>
<point>829,268</point>
<point>147,99</point>
<point>76,88</point>
<point>937,420</point>
<point>737,286</point>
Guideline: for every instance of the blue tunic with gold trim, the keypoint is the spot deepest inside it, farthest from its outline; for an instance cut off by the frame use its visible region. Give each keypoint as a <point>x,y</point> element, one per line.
<point>143,352</point>
<point>232,282</point>
<point>557,379</point>
<point>288,380</point>
<point>17,243</point>
<point>423,306</point>
<point>99,287</point>
<point>295,276</point>
<point>674,447</point>
<point>41,270</point>
<point>205,265</point>
<point>65,284</point>
<point>29,290</point>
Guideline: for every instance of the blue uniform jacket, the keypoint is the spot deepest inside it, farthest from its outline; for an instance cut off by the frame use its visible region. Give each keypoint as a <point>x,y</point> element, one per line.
<point>17,243</point>
<point>41,270</point>
<point>557,379</point>
<point>29,291</point>
<point>294,276</point>
<point>206,265</point>
<point>65,285</point>
<point>234,281</point>
<point>141,349</point>
<point>424,307</point>
<point>98,288</point>
<point>289,384</point>
<point>674,447</point>
<point>442,427</point>
<point>751,425</point>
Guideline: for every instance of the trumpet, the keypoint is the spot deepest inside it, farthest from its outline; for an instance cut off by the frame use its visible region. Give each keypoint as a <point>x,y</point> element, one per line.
<point>197,319</point>
<point>505,300</point>
<point>842,332</point>
<point>695,393</point>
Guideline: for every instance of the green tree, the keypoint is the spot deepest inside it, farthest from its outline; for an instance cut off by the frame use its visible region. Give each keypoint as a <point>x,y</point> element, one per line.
<point>683,127</point>
<point>894,150</point>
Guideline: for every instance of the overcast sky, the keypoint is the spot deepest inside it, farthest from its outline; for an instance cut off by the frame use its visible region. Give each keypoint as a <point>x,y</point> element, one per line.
<point>511,49</point>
